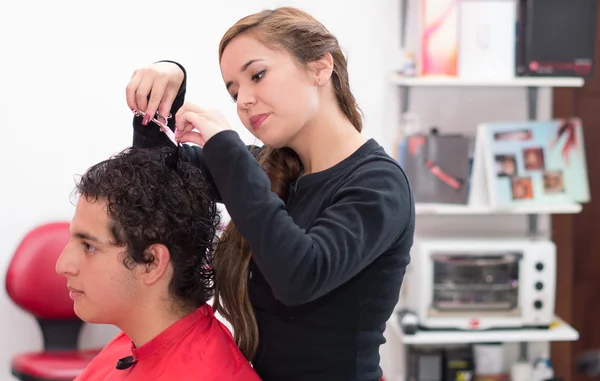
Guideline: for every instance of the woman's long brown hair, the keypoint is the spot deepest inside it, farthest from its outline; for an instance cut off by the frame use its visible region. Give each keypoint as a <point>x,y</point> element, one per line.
<point>307,41</point>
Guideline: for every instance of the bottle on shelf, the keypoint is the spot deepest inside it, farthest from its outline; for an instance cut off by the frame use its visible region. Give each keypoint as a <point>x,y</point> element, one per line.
<point>542,368</point>
<point>410,124</point>
<point>408,64</point>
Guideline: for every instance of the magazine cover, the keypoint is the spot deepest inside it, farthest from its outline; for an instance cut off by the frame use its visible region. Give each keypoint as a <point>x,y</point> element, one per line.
<point>536,162</point>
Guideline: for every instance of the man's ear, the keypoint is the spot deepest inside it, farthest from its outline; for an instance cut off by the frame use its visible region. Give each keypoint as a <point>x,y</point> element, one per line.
<point>322,69</point>
<point>155,270</point>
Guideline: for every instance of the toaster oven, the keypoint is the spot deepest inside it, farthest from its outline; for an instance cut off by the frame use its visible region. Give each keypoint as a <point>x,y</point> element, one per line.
<point>476,284</point>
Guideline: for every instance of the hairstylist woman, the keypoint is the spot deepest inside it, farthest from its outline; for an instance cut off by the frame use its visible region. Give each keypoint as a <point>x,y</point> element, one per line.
<point>323,219</point>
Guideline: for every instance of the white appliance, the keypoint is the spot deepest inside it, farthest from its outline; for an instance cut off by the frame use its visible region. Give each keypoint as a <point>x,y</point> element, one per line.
<point>477,284</point>
<point>487,39</point>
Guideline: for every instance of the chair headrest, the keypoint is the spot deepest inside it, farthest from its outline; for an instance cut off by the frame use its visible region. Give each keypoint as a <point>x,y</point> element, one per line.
<point>31,280</point>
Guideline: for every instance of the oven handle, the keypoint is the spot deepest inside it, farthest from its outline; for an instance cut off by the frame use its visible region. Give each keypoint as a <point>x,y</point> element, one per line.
<point>445,258</point>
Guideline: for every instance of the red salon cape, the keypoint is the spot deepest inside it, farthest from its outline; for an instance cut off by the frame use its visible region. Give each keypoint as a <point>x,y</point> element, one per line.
<point>197,347</point>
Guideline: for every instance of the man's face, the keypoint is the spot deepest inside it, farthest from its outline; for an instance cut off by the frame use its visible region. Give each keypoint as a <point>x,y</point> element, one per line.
<point>103,289</point>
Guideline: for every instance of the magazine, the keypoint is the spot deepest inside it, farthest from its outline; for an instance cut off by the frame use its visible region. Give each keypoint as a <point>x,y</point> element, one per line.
<point>534,162</point>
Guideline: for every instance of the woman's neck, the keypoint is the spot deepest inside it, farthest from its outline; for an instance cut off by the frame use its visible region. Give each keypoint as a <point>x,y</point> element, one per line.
<point>326,141</point>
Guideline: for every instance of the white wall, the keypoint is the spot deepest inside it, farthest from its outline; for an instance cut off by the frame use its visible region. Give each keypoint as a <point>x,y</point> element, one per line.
<point>63,72</point>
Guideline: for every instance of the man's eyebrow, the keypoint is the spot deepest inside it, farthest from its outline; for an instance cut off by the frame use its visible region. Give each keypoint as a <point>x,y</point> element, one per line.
<point>89,237</point>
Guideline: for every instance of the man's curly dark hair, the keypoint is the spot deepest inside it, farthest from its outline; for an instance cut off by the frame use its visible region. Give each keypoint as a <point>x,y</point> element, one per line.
<point>154,197</point>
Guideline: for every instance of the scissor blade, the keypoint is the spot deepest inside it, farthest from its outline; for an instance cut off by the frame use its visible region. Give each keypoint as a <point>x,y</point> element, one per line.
<point>163,127</point>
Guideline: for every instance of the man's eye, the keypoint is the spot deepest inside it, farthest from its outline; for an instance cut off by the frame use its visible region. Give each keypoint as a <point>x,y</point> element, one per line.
<point>87,247</point>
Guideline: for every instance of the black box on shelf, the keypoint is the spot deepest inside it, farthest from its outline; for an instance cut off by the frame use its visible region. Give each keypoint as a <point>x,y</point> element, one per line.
<point>438,168</point>
<point>458,364</point>
<point>556,38</point>
<point>440,363</point>
<point>425,364</point>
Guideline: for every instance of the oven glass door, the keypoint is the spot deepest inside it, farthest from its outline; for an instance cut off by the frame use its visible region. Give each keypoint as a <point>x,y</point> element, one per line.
<point>476,282</point>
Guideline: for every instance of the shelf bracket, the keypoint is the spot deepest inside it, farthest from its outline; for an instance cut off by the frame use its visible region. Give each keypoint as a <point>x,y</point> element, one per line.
<point>523,349</point>
<point>532,102</point>
<point>403,21</point>
<point>532,225</point>
<point>404,99</point>
<point>532,114</point>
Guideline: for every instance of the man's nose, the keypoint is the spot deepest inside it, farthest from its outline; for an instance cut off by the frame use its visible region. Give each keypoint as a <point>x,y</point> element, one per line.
<point>67,262</point>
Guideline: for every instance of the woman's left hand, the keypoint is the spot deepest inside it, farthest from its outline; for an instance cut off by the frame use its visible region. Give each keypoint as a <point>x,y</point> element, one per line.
<point>194,124</point>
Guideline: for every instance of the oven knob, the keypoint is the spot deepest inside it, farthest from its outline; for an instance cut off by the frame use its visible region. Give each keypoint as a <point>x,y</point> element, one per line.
<point>539,266</point>
<point>538,304</point>
<point>539,285</point>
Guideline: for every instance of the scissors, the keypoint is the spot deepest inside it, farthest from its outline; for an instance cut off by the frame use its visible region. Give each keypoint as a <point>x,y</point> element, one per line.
<point>161,121</point>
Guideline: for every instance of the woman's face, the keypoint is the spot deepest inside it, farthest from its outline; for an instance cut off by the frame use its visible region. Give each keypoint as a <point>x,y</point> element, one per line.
<point>275,96</point>
<point>509,167</point>
<point>518,190</point>
<point>531,159</point>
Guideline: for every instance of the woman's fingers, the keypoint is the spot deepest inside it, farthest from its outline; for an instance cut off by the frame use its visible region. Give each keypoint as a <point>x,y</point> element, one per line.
<point>157,92</point>
<point>131,90</point>
<point>193,137</point>
<point>167,101</point>
<point>149,91</point>
<point>197,125</point>
<point>188,121</point>
<point>154,89</point>
<point>188,107</point>
<point>141,95</point>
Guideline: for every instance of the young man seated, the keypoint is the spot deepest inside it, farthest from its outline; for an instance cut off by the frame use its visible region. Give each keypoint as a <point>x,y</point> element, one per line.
<point>139,258</point>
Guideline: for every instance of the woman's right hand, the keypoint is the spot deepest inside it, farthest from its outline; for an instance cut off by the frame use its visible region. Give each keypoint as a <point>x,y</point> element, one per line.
<point>161,82</point>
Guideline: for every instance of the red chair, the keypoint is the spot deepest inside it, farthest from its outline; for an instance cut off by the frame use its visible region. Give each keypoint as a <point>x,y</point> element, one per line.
<point>33,284</point>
